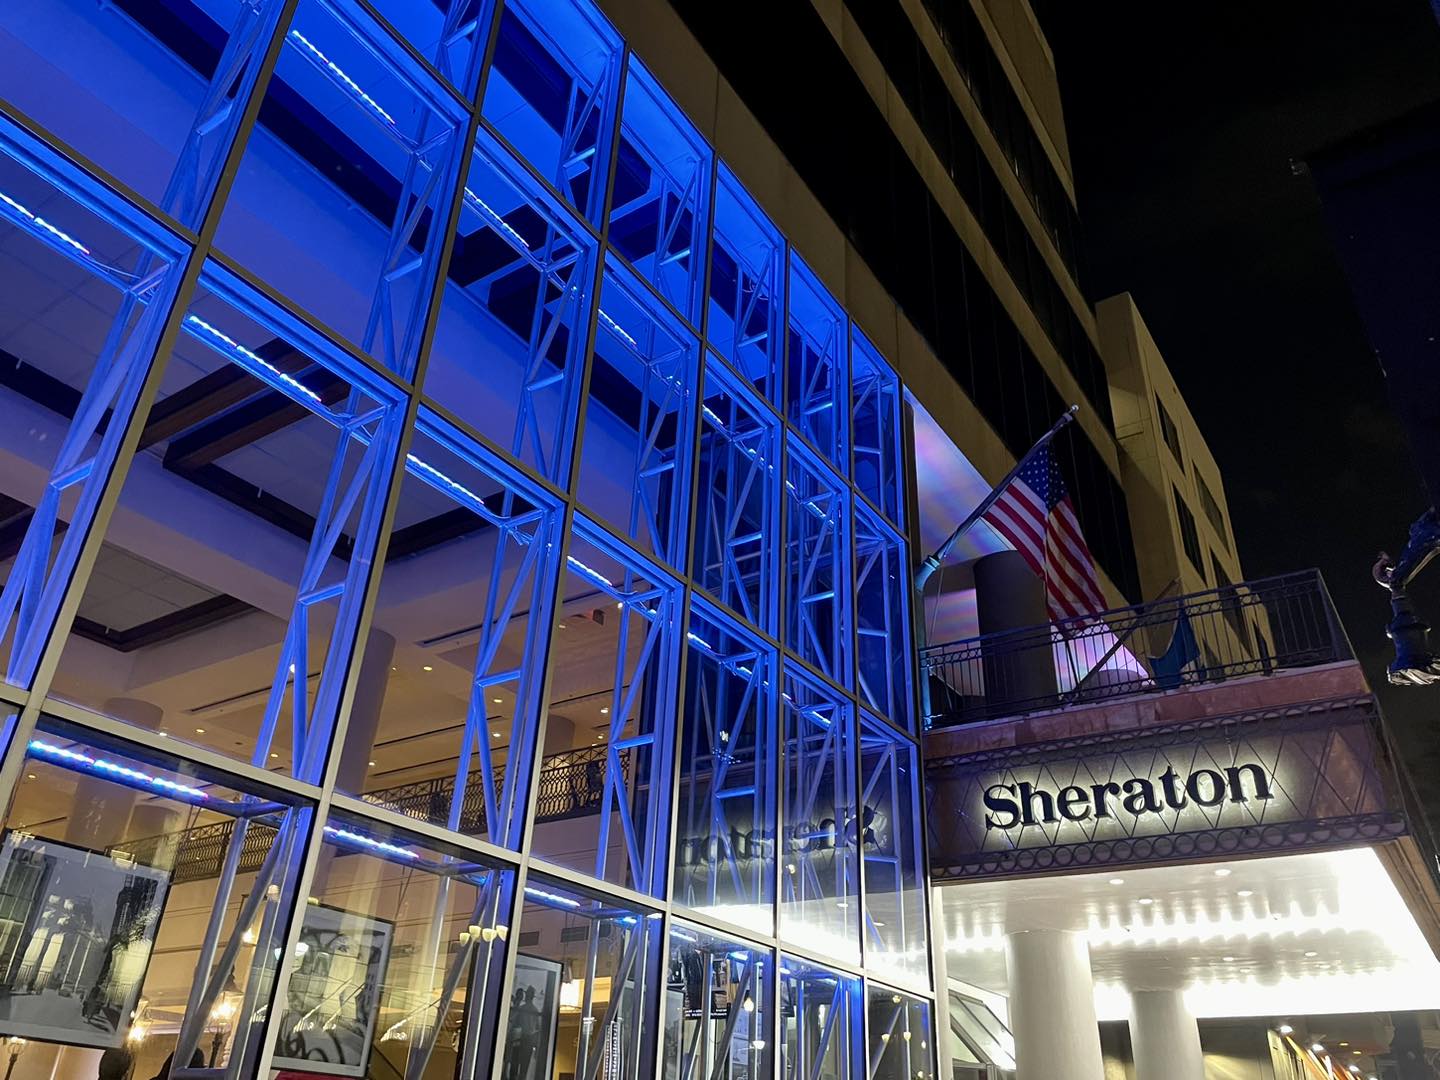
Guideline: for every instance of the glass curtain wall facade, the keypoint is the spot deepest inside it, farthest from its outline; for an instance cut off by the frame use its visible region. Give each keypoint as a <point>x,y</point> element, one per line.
<point>455,616</point>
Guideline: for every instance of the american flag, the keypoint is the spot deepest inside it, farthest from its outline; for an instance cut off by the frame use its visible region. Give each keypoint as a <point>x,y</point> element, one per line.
<point>1035,514</point>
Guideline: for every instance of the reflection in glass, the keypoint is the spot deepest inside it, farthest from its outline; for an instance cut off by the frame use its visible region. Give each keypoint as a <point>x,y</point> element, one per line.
<point>443,721</point>
<point>84,289</point>
<point>875,413</point>
<point>604,797</point>
<point>820,1022</point>
<point>242,539</point>
<point>890,782</point>
<point>662,192</point>
<point>817,387</point>
<point>356,148</point>
<point>819,883</point>
<point>510,341</point>
<point>725,842</point>
<point>899,1037</point>
<point>734,550</point>
<point>639,419</point>
<point>817,565</point>
<point>717,1008</point>
<point>397,942</point>
<point>140,906</point>
<point>882,618</point>
<point>582,993</point>
<point>747,287</point>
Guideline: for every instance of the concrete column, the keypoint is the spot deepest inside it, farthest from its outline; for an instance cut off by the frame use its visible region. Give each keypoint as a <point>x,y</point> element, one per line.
<point>1052,1007</point>
<point>1010,598</point>
<point>1164,1037</point>
<point>365,711</point>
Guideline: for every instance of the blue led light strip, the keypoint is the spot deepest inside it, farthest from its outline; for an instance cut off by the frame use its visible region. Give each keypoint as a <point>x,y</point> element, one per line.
<point>330,68</point>
<point>346,836</point>
<point>71,758</point>
<point>199,328</point>
<point>550,897</point>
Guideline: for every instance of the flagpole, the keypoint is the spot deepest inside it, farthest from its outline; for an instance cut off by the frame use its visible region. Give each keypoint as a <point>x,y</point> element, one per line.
<point>932,563</point>
<point>1122,639</point>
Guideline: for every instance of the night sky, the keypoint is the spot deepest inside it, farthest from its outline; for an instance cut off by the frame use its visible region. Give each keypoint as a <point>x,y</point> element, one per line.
<point>1187,127</point>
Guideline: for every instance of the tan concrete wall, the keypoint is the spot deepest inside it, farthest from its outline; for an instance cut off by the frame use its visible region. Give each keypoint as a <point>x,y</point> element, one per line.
<point>1017,38</point>
<point>1138,376</point>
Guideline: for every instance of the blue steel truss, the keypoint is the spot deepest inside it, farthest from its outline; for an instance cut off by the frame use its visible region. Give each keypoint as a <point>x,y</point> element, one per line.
<point>756,464</point>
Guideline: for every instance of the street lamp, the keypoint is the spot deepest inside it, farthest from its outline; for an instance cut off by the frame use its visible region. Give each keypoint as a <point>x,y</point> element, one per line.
<point>14,1046</point>
<point>222,1016</point>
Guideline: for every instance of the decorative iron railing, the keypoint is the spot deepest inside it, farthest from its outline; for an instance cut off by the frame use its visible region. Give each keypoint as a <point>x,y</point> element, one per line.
<point>1253,628</point>
<point>571,785</point>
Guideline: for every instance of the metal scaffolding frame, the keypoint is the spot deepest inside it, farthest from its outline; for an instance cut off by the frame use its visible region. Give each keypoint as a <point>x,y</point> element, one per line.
<point>727,477</point>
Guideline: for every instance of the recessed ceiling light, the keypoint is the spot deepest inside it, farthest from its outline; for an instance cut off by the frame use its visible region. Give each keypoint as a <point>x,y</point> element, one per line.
<point>1147,901</point>
<point>427,667</point>
<point>1311,953</point>
<point>1344,1043</point>
<point>1317,1048</point>
<point>30,776</point>
<point>1354,1068</point>
<point>273,754</point>
<point>1223,872</point>
<point>562,626</point>
<point>1117,881</point>
<point>1284,1029</point>
<point>1228,959</point>
<point>498,700</point>
<point>605,711</point>
<point>372,764</point>
<point>496,734</point>
<point>199,731</point>
<point>1246,892</point>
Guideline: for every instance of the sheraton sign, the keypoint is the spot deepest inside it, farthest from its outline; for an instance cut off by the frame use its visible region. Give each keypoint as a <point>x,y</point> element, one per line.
<point>1025,804</point>
<point>1222,786</point>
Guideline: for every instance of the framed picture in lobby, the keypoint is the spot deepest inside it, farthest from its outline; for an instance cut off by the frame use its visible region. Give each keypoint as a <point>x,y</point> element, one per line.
<point>333,999</point>
<point>534,1019</point>
<point>77,928</point>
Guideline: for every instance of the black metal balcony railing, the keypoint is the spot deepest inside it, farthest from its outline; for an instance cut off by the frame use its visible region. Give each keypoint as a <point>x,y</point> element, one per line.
<point>1253,628</point>
<point>571,785</point>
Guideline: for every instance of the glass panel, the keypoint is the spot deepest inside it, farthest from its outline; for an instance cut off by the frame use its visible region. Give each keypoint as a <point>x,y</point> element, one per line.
<point>899,1037</point>
<point>821,1022</point>
<point>448,33</point>
<point>733,552</point>
<point>605,786</point>
<point>639,419</point>
<point>875,412</point>
<point>890,781</point>
<point>882,618</point>
<point>817,381</point>
<point>747,287</point>
<point>511,335</point>
<point>442,726</point>
<point>982,1030</point>
<point>725,850</point>
<point>227,590</point>
<point>350,170</point>
<point>153,95</point>
<point>717,1008</point>
<point>583,989</point>
<point>113,872</point>
<point>551,91</point>
<point>662,192</point>
<point>398,942</point>
<point>817,578</point>
<point>84,287</point>
<point>819,887</point>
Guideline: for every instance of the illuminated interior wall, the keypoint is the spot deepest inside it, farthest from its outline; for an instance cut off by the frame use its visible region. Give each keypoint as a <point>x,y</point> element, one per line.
<point>453,547</point>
